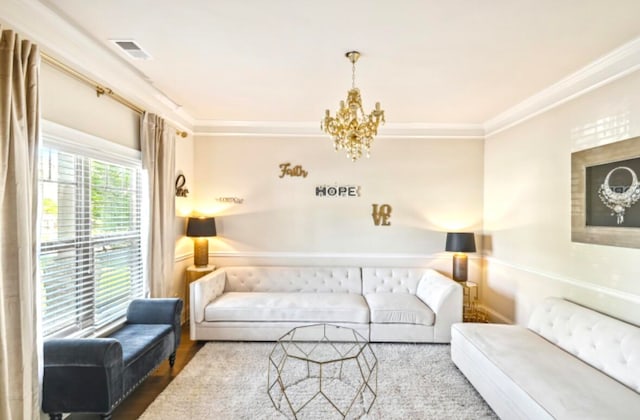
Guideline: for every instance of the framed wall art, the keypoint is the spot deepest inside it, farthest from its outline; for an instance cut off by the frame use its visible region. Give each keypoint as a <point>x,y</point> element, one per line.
<point>605,194</point>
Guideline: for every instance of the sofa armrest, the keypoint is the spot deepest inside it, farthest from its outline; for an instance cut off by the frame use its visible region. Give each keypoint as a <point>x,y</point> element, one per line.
<point>444,297</point>
<point>82,375</point>
<point>205,290</point>
<point>157,311</point>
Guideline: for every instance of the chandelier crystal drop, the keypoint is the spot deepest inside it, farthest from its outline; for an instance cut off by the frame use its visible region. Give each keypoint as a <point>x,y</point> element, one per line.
<point>353,130</point>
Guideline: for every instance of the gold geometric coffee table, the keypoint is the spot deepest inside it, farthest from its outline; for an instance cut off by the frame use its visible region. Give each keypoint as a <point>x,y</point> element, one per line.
<point>322,371</point>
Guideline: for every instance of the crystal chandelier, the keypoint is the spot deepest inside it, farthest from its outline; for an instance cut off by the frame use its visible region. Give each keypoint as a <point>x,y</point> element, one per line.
<point>352,130</point>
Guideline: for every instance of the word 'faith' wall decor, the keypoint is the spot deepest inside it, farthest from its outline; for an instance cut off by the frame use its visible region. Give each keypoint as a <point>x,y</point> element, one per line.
<point>288,170</point>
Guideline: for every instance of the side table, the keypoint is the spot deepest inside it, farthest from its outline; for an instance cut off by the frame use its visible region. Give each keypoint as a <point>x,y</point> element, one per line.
<point>471,311</point>
<point>193,274</point>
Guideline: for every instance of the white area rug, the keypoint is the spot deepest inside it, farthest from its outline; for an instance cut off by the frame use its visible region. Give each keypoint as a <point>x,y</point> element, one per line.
<point>228,381</point>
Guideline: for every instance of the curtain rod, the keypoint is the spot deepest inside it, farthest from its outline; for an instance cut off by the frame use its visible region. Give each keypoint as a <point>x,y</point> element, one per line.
<point>100,89</point>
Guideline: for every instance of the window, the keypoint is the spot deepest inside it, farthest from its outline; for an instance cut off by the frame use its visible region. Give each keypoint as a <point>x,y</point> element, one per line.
<point>90,233</point>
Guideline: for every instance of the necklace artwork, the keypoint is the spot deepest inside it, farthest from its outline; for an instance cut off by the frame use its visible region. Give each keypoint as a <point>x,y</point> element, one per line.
<point>618,202</point>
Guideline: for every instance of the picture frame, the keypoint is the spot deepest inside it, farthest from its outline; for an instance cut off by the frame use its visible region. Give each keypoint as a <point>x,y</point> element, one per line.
<point>596,218</point>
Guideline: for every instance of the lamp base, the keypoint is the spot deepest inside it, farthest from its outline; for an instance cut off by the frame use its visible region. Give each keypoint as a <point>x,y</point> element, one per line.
<point>201,252</point>
<point>460,267</point>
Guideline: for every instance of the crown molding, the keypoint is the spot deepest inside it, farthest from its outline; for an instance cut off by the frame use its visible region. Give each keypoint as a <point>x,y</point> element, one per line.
<point>616,64</point>
<point>72,46</point>
<point>312,130</point>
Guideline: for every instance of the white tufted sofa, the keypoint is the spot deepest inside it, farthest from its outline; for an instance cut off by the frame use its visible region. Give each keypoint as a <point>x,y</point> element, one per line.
<point>570,363</point>
<point>263,303</point>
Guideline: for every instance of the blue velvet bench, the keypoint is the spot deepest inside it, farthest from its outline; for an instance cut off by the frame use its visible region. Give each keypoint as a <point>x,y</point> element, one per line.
<point>94,375</point>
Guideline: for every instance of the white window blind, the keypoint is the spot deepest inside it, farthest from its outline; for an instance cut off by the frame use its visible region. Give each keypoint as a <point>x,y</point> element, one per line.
<point>90,236</point>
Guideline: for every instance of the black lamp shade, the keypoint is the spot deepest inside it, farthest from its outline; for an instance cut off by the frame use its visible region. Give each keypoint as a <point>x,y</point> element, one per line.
<point>201,226</point>
<point>460,242</point>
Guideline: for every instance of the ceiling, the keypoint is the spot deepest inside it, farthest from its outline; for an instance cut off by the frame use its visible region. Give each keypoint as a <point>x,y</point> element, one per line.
<point>426,61</point>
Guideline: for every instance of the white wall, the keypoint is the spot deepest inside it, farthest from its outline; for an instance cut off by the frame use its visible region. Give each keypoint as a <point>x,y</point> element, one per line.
<point>528,210</point>
<point>433,185</point>
<point>72,103</point>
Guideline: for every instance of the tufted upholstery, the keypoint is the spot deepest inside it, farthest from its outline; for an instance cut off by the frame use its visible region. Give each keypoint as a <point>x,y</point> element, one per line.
<point>391,280</point>
<point>570,363</point>
<point>605,343</point>
<point>262,302</point>
<point>293,279</point>
<point>94,375</point>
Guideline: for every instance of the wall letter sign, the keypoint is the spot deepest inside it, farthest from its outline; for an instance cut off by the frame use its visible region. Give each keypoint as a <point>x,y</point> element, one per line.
<point>297,170</point>
<point>236,200</point>
<point>381,215</point>
<point>337,191</point>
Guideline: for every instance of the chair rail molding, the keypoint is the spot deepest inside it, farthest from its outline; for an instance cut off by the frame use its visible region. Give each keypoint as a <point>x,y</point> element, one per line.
<point>595,288</point>
<point>346,255</point>
<point>183,257</point>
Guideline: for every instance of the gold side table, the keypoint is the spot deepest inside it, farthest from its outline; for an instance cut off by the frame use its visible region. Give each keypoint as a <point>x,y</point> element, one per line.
<point>471,311</point>
<point>193,274</point>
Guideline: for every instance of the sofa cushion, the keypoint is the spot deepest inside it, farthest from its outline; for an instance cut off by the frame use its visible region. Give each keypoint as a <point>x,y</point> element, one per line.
<point>398,308</point>
<point>531,370</point>
<point>136,339</point>
<point>301,307</point>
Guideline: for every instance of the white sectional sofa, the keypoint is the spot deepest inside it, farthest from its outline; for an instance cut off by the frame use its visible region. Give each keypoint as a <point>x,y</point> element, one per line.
<point>411,305</point>
<point>570,363</point>
<point>263,303</point>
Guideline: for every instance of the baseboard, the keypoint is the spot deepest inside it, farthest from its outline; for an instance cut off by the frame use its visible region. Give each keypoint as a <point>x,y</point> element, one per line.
<point>322,255</point>
<point>494,316</point>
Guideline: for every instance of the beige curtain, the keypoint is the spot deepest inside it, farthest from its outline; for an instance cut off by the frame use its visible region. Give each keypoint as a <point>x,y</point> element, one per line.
<point>19,137</point>
<point>157,141</point>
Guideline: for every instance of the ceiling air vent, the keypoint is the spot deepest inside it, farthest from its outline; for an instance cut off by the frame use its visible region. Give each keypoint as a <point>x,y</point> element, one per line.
<point>132,49</point>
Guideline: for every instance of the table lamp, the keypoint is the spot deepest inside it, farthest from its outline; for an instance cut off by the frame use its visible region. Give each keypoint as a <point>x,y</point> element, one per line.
<point>460,242</point>
<point>200,228</point>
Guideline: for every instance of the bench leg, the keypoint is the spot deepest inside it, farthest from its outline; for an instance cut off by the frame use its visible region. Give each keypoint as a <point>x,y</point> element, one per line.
<point>172,359</point>
<point>55,416</point>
